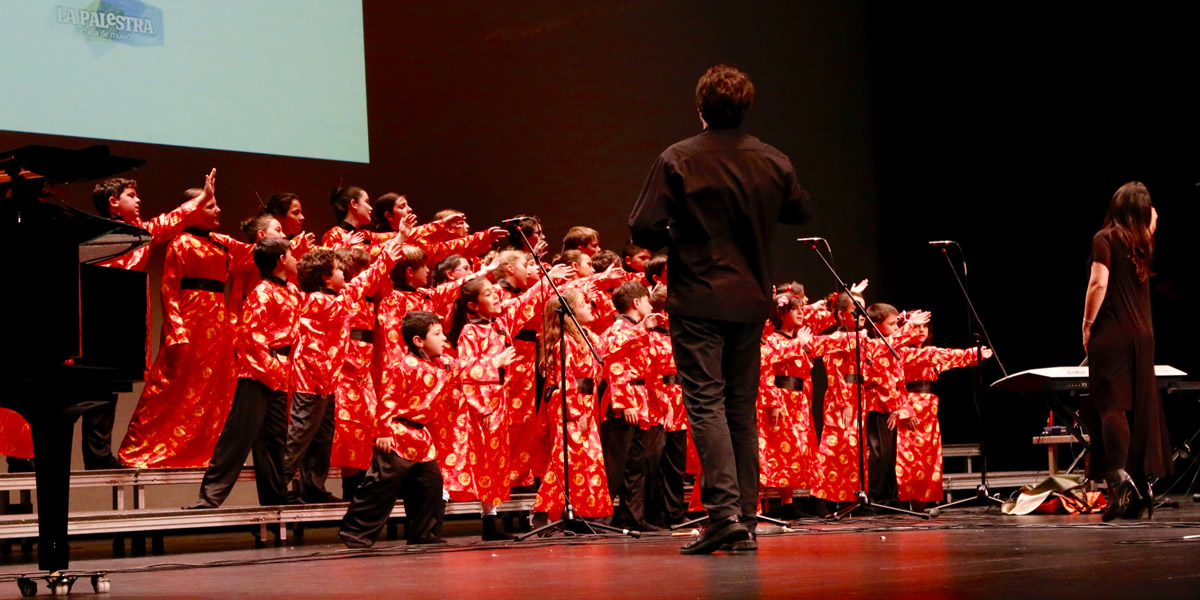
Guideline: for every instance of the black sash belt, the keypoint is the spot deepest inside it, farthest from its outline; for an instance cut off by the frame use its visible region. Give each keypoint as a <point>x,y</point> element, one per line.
<point>587,385</point>
<point>363,335</point>
<point>638,382</point>
<point>526,335</point>
<point>409,423</point>
<point>923,386</point>
<point>672,379</point>
<point>852,378</point>
<point>787,382</point>
<point>282,351</point>
<point>202,284</point>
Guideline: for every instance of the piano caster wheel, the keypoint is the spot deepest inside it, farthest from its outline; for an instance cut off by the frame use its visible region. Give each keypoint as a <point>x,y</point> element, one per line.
<point>933,512</point>
<point>28,587</point>
<point>101,584</point>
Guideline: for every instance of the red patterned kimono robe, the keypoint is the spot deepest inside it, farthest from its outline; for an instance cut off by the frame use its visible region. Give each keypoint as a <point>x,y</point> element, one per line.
<point>589,484</point>
<point>411,396</point>
<point>246,278</point>
<point>336,238</point>
<point>667,396</point>
<point>786,451</point>
<point>526,434</point>
<point>919,449</point>
<point>320,349</point>
<point>354,391</point>
<point>450,430</point>
<point>270,324</point>
<point>478,345</point>
<point>835,473</point>
<point>16,439</point>
<point>623,368</point>
<point>190,387</point>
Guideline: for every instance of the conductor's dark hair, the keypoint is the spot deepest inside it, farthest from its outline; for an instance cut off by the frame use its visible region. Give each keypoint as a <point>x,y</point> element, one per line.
<point>417,323</point>
<point>267,253</point>
<point>107,189</point>
<point>628,293</point>
<point>340,199</point>
<point>316,265</point>
<point>723,95</point>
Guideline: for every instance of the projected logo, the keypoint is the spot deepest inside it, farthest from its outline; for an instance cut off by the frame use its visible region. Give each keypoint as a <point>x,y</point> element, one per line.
<point>123,21</point>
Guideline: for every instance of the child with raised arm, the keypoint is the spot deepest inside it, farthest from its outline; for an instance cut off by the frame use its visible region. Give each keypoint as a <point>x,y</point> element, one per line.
<point>354,388</point>
<point>919,445</point>
<point>404,462</point>
<point>182,408</point>
<point>588,485</point>
<point>118,199</point>
<point>317,358</point>
<point>257,420</point>
<point>481,330</point>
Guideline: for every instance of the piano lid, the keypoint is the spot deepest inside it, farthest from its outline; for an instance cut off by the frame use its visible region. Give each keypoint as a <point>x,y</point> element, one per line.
<point>1064,378</point>
<point>61,165</point>
<point>98,238</point>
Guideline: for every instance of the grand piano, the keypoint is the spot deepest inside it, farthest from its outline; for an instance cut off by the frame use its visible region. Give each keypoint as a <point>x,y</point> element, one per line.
<point>79,330</point>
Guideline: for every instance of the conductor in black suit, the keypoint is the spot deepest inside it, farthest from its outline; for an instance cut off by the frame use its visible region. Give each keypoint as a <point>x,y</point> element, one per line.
<point>714,201</point>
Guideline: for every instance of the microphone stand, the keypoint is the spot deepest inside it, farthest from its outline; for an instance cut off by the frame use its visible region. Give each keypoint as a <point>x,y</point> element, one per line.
<point>862,500</point>
<point>983,492</point>
<point>570,523</point>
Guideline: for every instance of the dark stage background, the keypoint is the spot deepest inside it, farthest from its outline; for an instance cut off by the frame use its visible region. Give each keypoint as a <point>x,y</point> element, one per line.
<point>1007,131</point>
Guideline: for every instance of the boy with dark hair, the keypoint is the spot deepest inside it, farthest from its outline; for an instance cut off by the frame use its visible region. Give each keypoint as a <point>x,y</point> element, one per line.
<point>257,419</point>
<point>628,433</point>
<point>604,259</point>
<point>317,359</point>
<point>884,399</point>
<point>634,257</point>
<point>405,458</point>
<point>117,199</point>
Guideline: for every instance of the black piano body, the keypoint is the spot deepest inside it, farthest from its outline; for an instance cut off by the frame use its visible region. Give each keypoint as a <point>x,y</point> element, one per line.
<point>80,329</point>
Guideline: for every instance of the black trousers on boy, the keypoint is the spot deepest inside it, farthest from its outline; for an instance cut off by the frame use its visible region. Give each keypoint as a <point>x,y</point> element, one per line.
<point>257,424</point>
<point>881,458</point>
<point>309,444</point>
<point>640,477</point>
<point>391,477</point>
<point>668,506</point>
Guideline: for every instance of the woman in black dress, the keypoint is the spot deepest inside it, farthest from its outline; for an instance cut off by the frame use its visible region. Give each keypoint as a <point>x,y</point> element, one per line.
<point>1119,340</point>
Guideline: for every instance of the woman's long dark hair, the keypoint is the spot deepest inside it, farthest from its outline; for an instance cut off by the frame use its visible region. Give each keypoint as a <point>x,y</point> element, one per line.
<point>469,292</point>
<point>1129,218</point>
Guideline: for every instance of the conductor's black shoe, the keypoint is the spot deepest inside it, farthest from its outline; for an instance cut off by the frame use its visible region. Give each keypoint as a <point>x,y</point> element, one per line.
<point>747,545</point>
<point>718,533</point>
<point>1123,496</point>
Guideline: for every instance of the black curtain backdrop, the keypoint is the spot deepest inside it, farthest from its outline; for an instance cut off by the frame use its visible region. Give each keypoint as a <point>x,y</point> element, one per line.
<point>1007,130</point>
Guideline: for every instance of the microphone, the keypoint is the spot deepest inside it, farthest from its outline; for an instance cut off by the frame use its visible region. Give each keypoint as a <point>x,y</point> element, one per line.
<point>513,220</point>
<point>943,243</point>
<point>810,240</point>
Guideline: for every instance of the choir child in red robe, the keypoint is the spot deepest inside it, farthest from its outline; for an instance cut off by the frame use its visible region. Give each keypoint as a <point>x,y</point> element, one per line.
<point>583,239</point>
<point>482,330</point>
<point>318,357</point>
<point>886,402</point>
<point>588,485</point>
<point>257,420</point>
<point>667,505</point>
<point>245,277</point>
<point>404,461</point>
<point>919,446</point>
<point>632,433</point>
<point>182,408</point>
<point>118,199</point>
<point>354,389</point>
<point>515,273</point>
<point>634,258</point>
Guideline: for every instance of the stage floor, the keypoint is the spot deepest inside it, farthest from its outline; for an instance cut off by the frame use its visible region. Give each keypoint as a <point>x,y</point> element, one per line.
<point>973,554</point>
